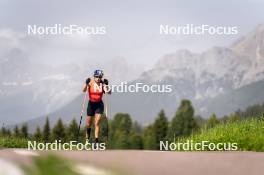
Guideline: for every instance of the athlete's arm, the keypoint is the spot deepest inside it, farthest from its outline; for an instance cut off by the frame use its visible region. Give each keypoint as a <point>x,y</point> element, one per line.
<point>106,87</point>
<point>85,86</point>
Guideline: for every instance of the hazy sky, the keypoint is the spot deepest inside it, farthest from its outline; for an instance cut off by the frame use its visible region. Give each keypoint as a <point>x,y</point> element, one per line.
<point>132,27</point>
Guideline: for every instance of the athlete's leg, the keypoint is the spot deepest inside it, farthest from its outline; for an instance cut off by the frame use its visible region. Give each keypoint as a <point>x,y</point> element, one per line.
<point>97,126</point>
<point>89,120</point>
<point>88,126</point>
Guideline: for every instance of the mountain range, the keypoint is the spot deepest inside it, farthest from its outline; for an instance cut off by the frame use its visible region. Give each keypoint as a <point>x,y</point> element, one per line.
<point>28,89</point>
<point>220,80</point>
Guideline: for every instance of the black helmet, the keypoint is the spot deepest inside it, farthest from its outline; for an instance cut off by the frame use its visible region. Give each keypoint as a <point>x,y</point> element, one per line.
<point>98,73</point>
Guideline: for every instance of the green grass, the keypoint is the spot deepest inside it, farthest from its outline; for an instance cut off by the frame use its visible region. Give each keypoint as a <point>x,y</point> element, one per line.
<point>50,165</point>
<point>248,134</point>
<point>12,142</point>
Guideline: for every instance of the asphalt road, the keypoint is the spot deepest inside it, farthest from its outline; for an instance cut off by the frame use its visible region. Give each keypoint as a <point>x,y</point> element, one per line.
<point>146,162</point>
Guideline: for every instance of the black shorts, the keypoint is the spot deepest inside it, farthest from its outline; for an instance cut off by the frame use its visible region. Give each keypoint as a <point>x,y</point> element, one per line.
<point>95,108</point>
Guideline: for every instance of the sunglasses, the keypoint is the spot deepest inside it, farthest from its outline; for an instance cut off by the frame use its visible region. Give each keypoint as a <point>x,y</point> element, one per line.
<point>97,77</point>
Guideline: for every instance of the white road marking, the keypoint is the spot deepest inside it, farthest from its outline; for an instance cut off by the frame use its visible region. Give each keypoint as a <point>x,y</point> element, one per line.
<point>8,168</point>
<point>84,169</point>
<point>25,152</point>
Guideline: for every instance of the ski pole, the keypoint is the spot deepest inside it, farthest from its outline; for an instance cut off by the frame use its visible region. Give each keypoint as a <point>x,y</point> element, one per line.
<point>106,112</point>
<point>83,104</point>
<point>106,116</point>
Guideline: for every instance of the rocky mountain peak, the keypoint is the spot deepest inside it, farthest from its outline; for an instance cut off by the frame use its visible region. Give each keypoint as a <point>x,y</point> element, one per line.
<point>252,44</point>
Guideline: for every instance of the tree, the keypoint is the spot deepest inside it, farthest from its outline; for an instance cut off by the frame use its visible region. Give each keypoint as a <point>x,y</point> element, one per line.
<point>224,119</point>
<point>24,130</point>
<point>16,131</point>
<point>37,134</point>
<point>135,141</point>
<point>212,121</point>
<point>121,140</point>
<point>46,131</point>
<point>72,130</point>
<point>120,131</point>
<point>201,122</point>
<point>104,123</point>
<point>122,121</point>
<point>8,132</point>
<point>3,131</point>
<point>149,141</point>
<point>114,125</point>
<point>58,132</point>
<point>160,128</point>
<point>136,127</point>
<point>183,123</point>
<point>233,118</point>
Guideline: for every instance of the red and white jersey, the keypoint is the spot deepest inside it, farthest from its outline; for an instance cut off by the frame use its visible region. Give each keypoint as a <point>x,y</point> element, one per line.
<point>95,91</point>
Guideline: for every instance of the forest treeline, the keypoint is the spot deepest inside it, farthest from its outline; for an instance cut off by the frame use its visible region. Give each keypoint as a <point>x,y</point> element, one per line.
<point>124,133</point>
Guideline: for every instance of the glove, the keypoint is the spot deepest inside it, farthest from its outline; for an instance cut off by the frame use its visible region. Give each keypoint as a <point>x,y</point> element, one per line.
<point>105,81</point>
<point>87,81</point>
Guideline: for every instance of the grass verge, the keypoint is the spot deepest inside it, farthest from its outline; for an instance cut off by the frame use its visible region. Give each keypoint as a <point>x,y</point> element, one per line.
<point>248,134</point>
